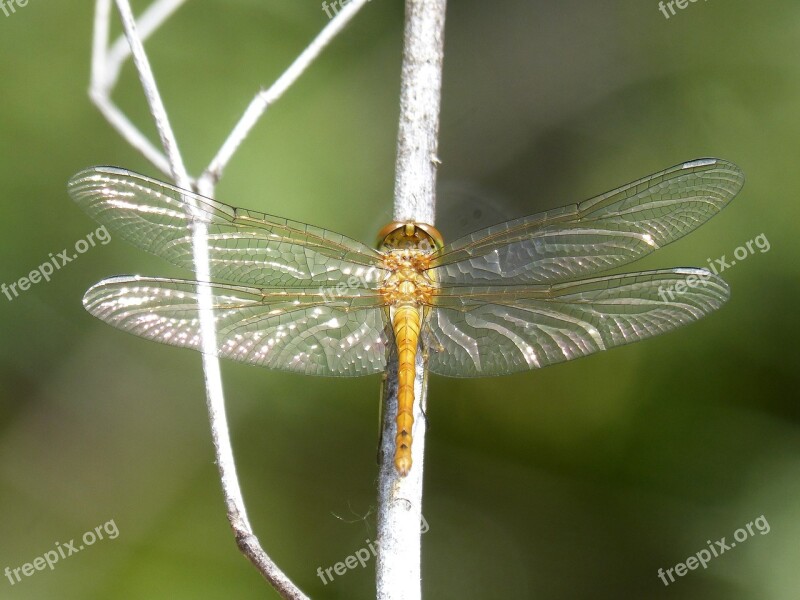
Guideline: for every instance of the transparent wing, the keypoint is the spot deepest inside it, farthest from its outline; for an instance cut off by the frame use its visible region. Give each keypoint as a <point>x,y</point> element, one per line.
<point>599,234</point>
<point>475,332</point>
<point>299,330</point>
<point>244,246</point>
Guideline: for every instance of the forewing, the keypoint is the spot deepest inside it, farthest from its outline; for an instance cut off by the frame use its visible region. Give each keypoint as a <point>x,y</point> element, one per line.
<point>299,331</point>
<point>244,246</point>
<point>599,234</point>
<point>485,331</point>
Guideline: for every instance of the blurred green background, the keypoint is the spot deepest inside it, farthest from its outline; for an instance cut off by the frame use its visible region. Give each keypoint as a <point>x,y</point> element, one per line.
<point>578,481</point>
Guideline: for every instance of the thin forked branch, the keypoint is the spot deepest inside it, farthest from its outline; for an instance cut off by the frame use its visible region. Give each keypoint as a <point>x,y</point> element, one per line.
<point>107,61</point>
<point>258,106</point>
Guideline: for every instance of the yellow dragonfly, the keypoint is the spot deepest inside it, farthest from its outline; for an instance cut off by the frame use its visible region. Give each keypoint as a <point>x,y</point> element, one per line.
<point>508,298</point>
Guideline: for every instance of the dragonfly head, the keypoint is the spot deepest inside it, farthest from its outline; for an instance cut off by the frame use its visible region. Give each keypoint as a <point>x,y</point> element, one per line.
<point>408,236</point>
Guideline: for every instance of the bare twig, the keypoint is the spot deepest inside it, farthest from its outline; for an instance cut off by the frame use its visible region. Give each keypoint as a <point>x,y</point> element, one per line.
<point>106,64</point>
<point>400,498</point>
<point>237,514</point>
<point>265,98</point>
<point>157,109</point>
<point>147,24</point>
<point>102,83</point>
<point>420,99</point>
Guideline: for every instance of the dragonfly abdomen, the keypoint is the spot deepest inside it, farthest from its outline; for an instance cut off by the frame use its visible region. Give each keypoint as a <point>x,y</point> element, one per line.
<point>406,325</point>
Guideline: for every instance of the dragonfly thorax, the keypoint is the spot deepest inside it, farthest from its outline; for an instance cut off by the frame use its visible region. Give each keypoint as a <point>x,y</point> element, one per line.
<point>408,281</point>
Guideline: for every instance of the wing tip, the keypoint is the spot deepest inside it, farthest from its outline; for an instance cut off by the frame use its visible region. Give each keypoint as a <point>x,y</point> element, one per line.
<point>89,297</point>
<point>732,168</point>
<point>91,172</point>
<point>706,279</point>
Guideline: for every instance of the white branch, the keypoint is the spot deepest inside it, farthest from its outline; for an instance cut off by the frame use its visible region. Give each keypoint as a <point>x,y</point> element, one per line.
<point>130,133</point>
<point>147,24</point>
<point>420,99</point>
<point>259,105</point>
<point>400,498</point>
<point>154,101</point>
<point>102,25</point>
<point>106,66</point>
<point>104,76</point>
<point>237,513</point>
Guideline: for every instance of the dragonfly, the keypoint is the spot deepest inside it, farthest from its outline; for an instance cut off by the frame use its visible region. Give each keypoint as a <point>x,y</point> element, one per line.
<point>516,296</point>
